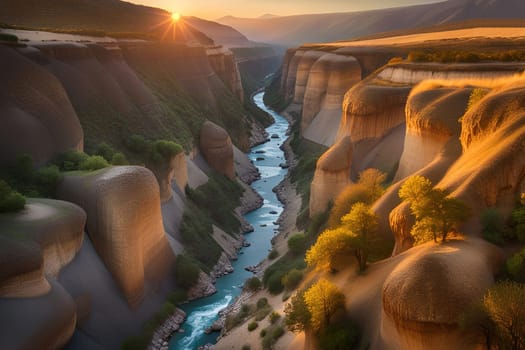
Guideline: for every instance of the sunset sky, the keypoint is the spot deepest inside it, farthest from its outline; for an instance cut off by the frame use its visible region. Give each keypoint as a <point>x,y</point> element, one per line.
<point>213,9</point>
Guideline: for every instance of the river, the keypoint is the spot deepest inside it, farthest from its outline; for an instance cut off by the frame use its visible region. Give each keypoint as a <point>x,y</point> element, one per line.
<point>202,313</point>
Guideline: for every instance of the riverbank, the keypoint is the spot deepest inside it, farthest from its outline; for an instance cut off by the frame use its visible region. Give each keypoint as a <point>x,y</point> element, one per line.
<point>291,200</point>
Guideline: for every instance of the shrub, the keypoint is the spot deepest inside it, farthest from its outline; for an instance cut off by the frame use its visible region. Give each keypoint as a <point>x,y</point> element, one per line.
<point>278,332</point>
<point>104,150</point>
<point>252,326</point>
<point>70,160</point>
<point>273,254</point>
<point>177,297</point>
<point>119,159</point>
<point>339,336</point>
<point>475,96</point>
<point>47,179</point>
<point>492,224</point>
<point>138,144</point>
<point>246,347</point>
<point>297,243</point>
<point>92,163</point>
<point>186,271</point>
<point>262,302</point>
<point>253,284</point>
<point>162,151</point>
<point>518,218</point>
<point>8,37</point>
<point>275,285</point>
<point>10,200</point>
<point>292,279</point>
<point>274,317</point>
<point>262,334</point>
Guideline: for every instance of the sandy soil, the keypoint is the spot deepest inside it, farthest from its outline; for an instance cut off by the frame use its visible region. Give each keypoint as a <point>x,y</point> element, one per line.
<point>508,32</point>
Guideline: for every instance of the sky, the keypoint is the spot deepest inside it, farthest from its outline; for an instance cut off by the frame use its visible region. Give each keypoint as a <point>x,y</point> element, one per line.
<point>213,9</point>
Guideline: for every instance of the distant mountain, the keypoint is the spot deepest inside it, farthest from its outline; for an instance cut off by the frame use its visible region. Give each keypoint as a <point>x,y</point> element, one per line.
<point>268,15</point>
<point>295,30</point>
<point>220,33</point>
<point>114,16</point>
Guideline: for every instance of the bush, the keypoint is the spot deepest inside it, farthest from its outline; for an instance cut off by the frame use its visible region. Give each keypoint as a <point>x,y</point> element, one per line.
<point>119,159</point>
<point>92,163</point>
<point>274,317</point>
<point>252,326</point>
<point>253,284</point>
<point>8,37</point>
<point>246,347</point>
<point>275,285</point>
<point>475,96</point>
<point>162,151</point>
<point>339,336</point>
<point>273,254</point>
<point>292,279</point>
<point>263,333</point>
<point>70,160</point>
<point>138,144</point>
<point>186,271</point>
<point>47,179</point>
<point>104,150</point>
<point>518,219</point>
<point>278,332</point>
<point>262,302</point>
<point>492,224</point>
<point>177,297</point>
<point>297,243</point>
<point>10,200</point>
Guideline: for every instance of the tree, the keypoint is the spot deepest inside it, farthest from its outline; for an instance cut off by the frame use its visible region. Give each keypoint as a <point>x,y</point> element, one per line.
<point>292,279</point>
<point>330,245</point>
<point>505,303</point>
<point>368,189</point>
<point>297,243</point>
<point>10,200</point>
<point>361,224</point>
<point>93,163</point>
<point>186,271</point>
<point>323,299</point>
<point>297,314</point>
<point>437,214</point>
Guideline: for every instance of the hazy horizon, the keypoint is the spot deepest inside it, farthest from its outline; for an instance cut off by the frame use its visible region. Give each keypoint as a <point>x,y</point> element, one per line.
<point>216,9</point>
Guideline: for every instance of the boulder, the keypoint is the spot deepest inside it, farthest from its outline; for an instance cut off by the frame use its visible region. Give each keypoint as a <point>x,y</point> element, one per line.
<point>216,147</point>
<point>124,223</point>
<point>332,175</point>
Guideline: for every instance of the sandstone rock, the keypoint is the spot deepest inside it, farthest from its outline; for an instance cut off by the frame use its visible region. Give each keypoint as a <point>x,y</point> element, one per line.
<point>425,294</point>
<point>432,122</point>
<point>332,175</point>
<point>124,223</point>
<point>303,72</point>
<point>39,120</point>
<point>291,75</point>
<point>175,169</point>
<point>223,63</point>
<point>328,80</point>
<point>53,230</point>
<point>217,148</point>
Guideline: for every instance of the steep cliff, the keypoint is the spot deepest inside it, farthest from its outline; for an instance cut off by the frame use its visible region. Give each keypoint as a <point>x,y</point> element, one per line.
<point>39,120</point>
<point>223,63</point>
<point>328,80</point>
<point>217,148</point>
<point>124,223</point>
<point>332,175</point>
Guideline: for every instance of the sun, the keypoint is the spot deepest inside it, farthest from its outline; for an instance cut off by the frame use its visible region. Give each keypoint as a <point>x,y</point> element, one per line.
<point>175,16</point>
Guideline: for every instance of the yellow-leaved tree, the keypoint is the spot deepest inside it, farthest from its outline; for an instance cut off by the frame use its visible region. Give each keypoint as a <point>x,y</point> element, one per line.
<point>323,299</point>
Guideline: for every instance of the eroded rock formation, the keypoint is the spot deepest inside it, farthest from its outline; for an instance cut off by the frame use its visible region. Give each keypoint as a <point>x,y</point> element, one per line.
<point>328,80</point>
<point>38,120</point>
<point>223,63</point>
<point>426,293</point>
<point>217,148</point>
<point>124,223</point>
<point>332,175</point>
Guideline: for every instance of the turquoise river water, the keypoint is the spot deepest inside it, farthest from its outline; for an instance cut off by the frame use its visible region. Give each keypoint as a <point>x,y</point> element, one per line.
<point>202,313</point>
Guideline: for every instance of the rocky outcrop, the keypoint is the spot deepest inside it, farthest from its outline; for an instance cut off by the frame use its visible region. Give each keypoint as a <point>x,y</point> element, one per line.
<point>285,69</point>
<point>424,311</point>
<point>328,80</point>
<point>217,148</point>
<point>223,63</point>
<point>38,119</point>
<point>52,231</point>
<point>332,175</point>
<point>303,73</point>
<point>174,169</point>
<point>407,74</point>
<point>124,223</point>
<point>291,76</point>
<point>203,287</point>
<point>433,120</point>
<point>163,334</point>
<point>371,113</point>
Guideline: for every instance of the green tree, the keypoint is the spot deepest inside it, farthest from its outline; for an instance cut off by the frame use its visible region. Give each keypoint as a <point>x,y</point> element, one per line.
<point>297,243</point>
<point>119,159</point>
<point>92,163</point>
<point>105,150</point>
<point>505,303</point>
<point>292,279</point>
<point>437,214</point>
<point>186,271</point>
<point>361,224</point>
<point>297,313</point>
<point>323,300</point>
